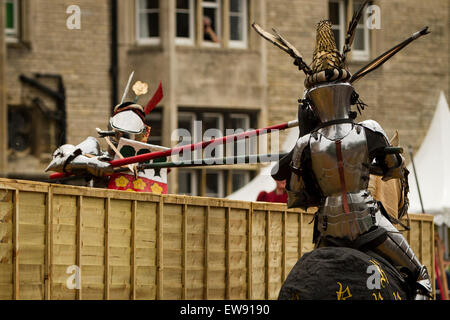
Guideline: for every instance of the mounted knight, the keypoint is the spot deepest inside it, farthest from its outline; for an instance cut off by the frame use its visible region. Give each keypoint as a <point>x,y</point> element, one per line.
<point>127,136</point>
<point>334,157</point>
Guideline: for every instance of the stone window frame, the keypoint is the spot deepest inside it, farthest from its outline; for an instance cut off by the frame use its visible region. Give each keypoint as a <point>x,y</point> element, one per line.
<point>196,18</point>
<point>147,40</point>
<point>13,34</point>
<point>346,8</point>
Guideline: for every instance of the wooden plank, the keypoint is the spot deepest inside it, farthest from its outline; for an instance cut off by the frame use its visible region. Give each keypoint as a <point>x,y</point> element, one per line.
<point>107,272</point>
<point>15,237</point>
<point>206,235</point>
<point>227,255</point>
<point>79,242</point>
<point>184,249</point>
<point>103,193</point>
<point>49,246</point>
<point>267,273</point>
<point>159,244</point>
<point>23,185</point>
<point>133,250</point>
<point>421,241</point>
<point>250,253</point>
<point>432,249</point>
<point>300,233</point>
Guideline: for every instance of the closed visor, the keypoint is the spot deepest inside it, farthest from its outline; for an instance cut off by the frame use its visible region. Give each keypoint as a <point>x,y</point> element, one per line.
<point>127,121</point>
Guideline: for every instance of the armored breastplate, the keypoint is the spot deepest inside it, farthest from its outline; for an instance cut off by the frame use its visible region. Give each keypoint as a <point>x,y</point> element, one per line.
<point>340,162</point>
<point>340,159</point>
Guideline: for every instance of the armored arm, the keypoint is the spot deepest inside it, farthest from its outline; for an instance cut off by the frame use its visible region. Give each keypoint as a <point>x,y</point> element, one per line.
<point>387,161</point>
<point>83,158</point>
<point>295,168</point>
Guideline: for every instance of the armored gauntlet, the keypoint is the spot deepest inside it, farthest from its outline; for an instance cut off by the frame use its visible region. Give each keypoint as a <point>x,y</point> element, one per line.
<point>83,158</point>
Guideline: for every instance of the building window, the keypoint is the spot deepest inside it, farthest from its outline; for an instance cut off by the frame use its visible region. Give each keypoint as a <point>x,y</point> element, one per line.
<point>239,179</point>
<point>212,125</point>
<point>211,22</point>
<point>238,23</point>
<point>185,22</point>
<point>12,20</point>
<point>187,182</point>
<point>241,122</point>
<point>147,21</point>
<point>360,49</point>
<point>339,19</point>
<point>214,181</point>
<point>154,120</point>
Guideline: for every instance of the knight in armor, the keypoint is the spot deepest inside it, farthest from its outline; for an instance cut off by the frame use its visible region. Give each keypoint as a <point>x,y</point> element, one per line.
<point>331,163</point>
<point>126,136</point>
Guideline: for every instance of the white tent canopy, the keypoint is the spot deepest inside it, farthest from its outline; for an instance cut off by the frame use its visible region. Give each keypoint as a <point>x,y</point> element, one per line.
<point>264,181</point>
<point>432,164</point>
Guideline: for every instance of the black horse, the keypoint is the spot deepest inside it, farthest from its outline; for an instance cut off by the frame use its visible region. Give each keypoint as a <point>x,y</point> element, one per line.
<point>342,273</point>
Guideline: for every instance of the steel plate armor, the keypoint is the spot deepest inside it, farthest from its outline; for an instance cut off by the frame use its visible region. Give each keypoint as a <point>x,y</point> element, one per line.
<point>338,155</point>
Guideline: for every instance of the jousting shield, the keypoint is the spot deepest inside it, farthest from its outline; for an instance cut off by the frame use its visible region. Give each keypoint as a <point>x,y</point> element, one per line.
<point>148,180</point>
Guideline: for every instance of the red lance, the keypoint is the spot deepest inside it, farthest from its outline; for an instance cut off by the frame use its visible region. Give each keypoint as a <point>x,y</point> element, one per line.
<point>190,147</point>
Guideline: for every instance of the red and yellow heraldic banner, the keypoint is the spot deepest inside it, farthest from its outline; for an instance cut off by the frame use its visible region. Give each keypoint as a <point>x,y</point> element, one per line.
<point>127,182</point>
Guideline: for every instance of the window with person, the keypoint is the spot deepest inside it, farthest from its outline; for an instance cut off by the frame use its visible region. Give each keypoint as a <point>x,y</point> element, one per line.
<point>211,21</point>
<point>147,21</point>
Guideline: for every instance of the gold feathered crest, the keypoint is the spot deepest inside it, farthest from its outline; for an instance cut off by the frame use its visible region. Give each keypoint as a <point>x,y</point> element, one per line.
<point>326,55</point>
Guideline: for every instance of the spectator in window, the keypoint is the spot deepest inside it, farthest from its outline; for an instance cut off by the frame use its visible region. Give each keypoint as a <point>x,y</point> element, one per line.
<point>208,32</point>
<point>278,195</point>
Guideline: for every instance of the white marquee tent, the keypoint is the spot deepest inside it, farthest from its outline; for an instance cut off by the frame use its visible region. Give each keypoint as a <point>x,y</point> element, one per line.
<point>432,164</point>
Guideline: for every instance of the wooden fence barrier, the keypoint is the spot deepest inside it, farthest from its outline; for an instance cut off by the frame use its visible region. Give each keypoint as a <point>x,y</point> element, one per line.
<point>130,245</point>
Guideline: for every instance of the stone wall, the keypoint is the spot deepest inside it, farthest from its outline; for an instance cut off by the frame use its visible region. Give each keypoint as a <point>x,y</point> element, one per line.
<point>81,57</point>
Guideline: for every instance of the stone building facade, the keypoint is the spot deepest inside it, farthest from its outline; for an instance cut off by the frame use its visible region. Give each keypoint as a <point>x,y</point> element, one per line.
<point>241,81</point>
<point>45,49</point>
